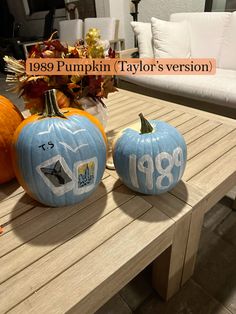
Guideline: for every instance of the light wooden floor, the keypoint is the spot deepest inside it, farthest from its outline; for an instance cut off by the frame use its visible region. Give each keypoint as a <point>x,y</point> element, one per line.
<point>212,290</point>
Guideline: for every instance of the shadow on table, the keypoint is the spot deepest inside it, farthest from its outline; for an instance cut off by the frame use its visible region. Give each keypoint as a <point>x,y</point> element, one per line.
<point>22,206</point>
<point>168,203</point>
<point>7,189</point>
<point>43,226</point>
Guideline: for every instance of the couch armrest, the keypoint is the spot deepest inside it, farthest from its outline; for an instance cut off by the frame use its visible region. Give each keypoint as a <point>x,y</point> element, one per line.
<point>127,53</point>
<point>118,43</point>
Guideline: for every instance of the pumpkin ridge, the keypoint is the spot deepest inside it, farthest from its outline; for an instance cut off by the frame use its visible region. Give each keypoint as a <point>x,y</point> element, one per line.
<point>10,118</point>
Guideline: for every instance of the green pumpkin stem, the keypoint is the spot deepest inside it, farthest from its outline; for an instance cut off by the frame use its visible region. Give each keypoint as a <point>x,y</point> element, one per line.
<point>51,106</point>
<point>145,125</point>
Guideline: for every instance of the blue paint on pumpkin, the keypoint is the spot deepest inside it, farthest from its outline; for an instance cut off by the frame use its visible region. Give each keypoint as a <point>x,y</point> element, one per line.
<point>150,163</point>
<point>61,161</point>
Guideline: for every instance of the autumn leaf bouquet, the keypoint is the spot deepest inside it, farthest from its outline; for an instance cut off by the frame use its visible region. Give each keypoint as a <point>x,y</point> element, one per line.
<point>72,90</point>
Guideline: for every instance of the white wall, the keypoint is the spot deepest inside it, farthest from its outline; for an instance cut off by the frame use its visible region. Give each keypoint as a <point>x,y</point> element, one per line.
<point>117,11</point>
<point>163,8</point>
<point>148,8</point>
<point>112,8</point>
<point>102,8</point>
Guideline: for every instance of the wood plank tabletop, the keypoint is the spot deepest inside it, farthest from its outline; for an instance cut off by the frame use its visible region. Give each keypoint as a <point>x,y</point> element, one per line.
<point>211,162</point>
<point>55,260</point>
<point>81,246</point>
<point>210,138</point>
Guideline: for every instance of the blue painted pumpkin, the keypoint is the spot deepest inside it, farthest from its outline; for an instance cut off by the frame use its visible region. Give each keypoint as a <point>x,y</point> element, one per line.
<point>58,158</point>
<point>150,161</point>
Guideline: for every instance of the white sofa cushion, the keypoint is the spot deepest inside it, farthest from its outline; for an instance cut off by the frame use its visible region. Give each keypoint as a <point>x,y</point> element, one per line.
<point>206,32</point>
<point>71,31</point>
<point>108,26</point>
<point>219,89</point>
<point>143,32</point>
<point>228,49</point>
<point>170,39</point>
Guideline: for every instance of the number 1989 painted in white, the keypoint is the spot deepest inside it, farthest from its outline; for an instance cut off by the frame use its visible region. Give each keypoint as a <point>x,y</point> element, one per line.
<point>145,165</point>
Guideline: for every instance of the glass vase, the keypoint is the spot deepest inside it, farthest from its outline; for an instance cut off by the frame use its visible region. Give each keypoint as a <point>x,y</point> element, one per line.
<point>95,108</point>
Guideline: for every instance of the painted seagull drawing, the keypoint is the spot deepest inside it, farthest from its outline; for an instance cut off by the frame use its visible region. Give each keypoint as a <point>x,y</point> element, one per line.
<point>74,150</point>
<point>75,132</point>
<point>46,132</point>
<point>62,127</point>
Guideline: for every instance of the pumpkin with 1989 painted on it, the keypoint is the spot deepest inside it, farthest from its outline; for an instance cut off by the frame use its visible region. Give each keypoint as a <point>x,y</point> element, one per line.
<point>60,156</point>
<point>152,160</point>
<point>10,118</point>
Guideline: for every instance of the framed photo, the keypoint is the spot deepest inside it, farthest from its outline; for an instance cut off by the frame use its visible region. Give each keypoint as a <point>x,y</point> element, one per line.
<point>28,46</point>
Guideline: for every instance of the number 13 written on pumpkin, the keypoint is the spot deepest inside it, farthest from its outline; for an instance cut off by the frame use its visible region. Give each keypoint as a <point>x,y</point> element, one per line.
<point>145,164</point>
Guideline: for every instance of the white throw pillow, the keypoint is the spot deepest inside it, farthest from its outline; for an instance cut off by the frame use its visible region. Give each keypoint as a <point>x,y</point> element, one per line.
<point>228,47</point>
<point>207,31</point>
<point>143,32</point>
<point>170,39</point>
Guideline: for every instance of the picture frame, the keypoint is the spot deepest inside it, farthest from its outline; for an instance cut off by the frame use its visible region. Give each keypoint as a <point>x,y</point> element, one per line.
<point>28,46</point>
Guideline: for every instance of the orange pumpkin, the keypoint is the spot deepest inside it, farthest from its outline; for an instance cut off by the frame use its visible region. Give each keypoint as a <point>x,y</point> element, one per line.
<point>36,105</point>
<point>10,118</point>
<point>62,100</point>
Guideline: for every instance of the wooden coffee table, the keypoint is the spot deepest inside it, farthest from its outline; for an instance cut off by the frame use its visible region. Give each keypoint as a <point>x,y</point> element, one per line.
<point>74,259</point>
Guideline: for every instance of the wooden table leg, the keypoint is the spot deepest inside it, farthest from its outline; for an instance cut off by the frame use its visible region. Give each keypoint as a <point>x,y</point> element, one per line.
<point>193,244</point>
<point>168,267</point>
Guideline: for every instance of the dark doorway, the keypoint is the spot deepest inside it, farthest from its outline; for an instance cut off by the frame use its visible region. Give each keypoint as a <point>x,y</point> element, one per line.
<point>6,21</point>
<point>211,5</point>
<point>45,5</point>
<point>87,8</point>
<point>208,5</point>
<point>230,5</point>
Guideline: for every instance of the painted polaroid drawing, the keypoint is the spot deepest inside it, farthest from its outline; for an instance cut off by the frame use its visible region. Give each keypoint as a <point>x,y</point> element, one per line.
<point>86,174</point>
<point>56,175</point>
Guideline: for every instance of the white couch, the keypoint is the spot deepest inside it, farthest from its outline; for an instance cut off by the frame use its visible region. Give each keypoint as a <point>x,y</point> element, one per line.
<point>212,35</point>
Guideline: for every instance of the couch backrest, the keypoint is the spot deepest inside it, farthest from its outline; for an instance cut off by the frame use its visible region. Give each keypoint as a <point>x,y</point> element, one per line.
<point>71,31</point>
<point>207,31</point>
<point>108,26</point>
